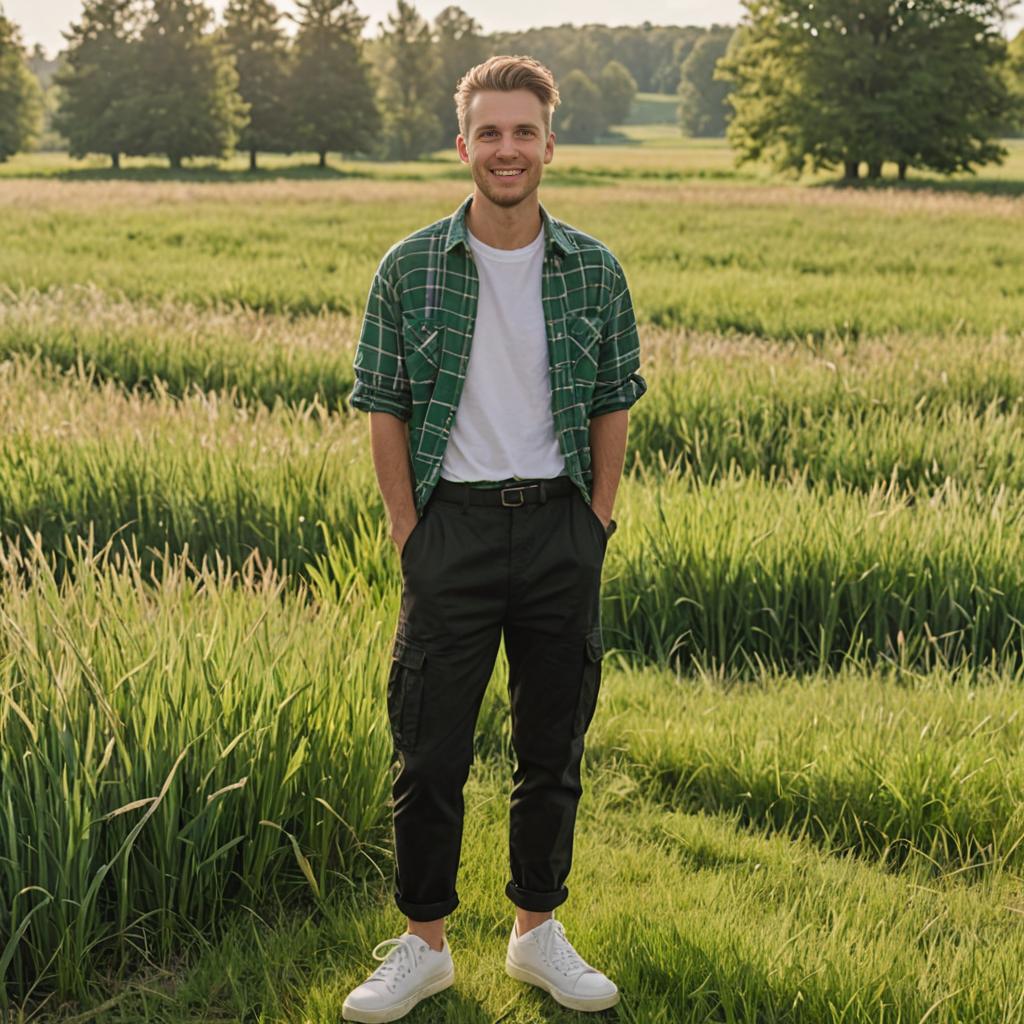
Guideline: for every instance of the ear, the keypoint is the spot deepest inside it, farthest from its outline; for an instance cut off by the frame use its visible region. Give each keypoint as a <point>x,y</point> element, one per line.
<point>461,148</point>
<point>549,148</point>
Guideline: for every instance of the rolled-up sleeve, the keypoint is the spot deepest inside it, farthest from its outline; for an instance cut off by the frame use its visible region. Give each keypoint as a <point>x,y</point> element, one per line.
<point>618,384</point>
<point>381,383</point>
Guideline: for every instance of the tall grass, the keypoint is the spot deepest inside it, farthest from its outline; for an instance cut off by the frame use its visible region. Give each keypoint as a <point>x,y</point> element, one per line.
<point>918,773</point>
<point>260,358</point>
<point>171,751</point>
<point>729,572</point>
<point>179,746</point>
<point>742,574</point>
<point>773,261</point>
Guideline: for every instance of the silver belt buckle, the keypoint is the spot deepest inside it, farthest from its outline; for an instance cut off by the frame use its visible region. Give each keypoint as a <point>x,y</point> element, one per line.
<point>516,504</point>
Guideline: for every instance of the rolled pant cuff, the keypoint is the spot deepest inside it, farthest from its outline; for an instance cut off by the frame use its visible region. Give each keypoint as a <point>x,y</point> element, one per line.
<point>539,902</point>
<point>426,911</point>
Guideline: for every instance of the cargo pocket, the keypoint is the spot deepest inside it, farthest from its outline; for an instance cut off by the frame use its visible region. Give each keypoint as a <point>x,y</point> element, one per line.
<point>405,691</point>
<point>590,682</point>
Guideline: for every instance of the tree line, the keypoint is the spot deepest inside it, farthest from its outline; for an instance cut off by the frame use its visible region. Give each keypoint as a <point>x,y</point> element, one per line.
<point>804,85</point>
<point>157,76</point>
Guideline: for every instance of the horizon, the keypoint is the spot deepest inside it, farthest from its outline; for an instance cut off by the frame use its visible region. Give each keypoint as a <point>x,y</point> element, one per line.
<point>44,26</point>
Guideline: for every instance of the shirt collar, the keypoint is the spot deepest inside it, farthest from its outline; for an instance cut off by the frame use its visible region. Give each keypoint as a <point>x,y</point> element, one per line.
<point>554,234</point>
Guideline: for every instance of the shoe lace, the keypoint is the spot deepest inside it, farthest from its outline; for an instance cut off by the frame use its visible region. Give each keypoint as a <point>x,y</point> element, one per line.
<point>399,962</point>
<point>559,952</point>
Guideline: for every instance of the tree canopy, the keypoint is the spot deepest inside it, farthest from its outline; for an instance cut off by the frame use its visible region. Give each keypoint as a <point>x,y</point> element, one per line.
<point>98,79</point>
<point>187,102</point>
<point>460,46</point>
<point>409,84</point>
<point>702,107</point>
<point>849,81</point>
<point>21,98</point>
<point>331,92</point>
<point>259,48</point>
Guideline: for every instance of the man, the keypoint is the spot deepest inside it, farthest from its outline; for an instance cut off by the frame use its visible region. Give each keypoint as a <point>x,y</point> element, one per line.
<point>499,350</point>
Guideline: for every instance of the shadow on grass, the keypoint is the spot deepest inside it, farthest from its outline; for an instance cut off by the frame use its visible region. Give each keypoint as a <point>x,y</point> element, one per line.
<point>1006,187</point>
<point>200,172</point>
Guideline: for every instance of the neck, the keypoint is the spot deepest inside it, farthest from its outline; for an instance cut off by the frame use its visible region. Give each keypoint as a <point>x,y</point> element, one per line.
<point>504,227</point>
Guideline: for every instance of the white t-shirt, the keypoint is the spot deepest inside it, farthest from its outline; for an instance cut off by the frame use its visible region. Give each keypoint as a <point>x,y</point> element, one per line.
<point>504,426</point>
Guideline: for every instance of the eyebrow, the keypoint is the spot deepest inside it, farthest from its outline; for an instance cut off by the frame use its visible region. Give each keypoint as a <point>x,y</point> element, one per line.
<point>525,124</point>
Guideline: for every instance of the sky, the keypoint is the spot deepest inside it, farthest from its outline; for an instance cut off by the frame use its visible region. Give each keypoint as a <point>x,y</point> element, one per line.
<point>42,20</point>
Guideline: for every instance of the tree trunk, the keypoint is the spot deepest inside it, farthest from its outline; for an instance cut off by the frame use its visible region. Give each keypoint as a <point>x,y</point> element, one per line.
<point>115,161</point>
<point>875,170</point>
<point>252,159</point>
<point>903,170</point>
<point>175,161</point>
<point>851,170</point>
<point>323,157</point>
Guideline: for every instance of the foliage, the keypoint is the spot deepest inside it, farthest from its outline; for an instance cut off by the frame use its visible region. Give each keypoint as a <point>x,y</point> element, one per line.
<point>410,91</point>
<point>460,46</point>
<point>187,103</point>
<point>845,82</point>
<point>651,53</point>
<point>21,101</point>
<point>331,93</point>
<point>1015,73</point>
<point>260,51</point>
<point>98,80</point>
<point>702,96</point>
<point>617,87</point>
<point>580,116</point>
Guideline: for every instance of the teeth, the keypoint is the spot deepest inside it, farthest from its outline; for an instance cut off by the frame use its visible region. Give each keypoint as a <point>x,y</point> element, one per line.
<point>508,174</point>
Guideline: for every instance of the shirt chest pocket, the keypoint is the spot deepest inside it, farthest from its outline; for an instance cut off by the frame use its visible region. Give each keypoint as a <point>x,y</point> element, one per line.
<point>422,339</point>
<point>584,350</point>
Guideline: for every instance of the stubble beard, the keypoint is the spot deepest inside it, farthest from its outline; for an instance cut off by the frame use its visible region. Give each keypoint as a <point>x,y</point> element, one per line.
<point>499,198</point>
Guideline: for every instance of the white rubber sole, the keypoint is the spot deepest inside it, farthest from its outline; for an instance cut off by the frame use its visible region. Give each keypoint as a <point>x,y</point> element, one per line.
<point>399,1009</point>
<point>565,998</point>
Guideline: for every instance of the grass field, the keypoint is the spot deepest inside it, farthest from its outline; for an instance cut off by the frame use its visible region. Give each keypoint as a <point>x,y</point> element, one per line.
<point>803,780</point>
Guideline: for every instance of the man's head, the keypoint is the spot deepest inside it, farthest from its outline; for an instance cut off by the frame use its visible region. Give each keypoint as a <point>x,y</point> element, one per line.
<point>504,107</point>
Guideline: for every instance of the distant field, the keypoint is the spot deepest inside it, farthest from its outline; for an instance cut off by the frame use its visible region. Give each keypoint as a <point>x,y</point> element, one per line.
<point>805,771</point>
<point>654,108</point>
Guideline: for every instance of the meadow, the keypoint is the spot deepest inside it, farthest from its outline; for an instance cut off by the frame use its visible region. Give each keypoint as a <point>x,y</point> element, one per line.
<point>802,785</point>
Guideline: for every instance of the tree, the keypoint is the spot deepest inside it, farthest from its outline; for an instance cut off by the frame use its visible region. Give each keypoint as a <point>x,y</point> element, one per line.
<point>409,84</point>
<point>617,87</point>
<point>581,112</point>
<point>187,103</point>
<point>260,51</point>
<point>851,81</point>
<point>331,95</point>
<point>459,47</point>
<point>98,79</point>
<point>21,99</point>
<point>1015,71</point>
<point>702,107</point>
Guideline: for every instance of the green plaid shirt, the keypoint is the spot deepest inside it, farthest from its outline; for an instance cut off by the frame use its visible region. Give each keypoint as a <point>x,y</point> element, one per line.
<point>414,347</point>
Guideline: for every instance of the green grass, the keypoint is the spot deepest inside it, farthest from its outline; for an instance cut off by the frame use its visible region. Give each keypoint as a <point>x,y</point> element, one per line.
<point>719,925</point>
<point>802,785</point>
<point>654,108</point>
<point>776,262</point>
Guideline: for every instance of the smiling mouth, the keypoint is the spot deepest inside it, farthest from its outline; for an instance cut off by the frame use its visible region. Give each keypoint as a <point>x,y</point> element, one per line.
<point>508,173</point>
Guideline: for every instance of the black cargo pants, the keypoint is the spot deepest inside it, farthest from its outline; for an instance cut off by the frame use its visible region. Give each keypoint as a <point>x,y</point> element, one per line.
<point>524,559</point>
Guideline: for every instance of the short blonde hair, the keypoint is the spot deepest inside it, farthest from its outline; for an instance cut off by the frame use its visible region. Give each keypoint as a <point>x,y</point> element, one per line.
<point>503,74</point>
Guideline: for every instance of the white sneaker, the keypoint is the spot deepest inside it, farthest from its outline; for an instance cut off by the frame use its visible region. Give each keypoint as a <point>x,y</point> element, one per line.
<point>412,971</point>
<point>544,957</point>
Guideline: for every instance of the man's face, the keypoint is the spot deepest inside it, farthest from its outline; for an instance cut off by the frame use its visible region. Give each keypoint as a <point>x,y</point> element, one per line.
<point>506,145</point>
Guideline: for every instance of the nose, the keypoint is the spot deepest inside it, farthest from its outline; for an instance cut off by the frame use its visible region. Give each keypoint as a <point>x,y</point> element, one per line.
<point>507,147</point>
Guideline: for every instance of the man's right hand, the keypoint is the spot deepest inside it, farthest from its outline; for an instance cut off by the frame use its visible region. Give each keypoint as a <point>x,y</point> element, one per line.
<point>400,530</point>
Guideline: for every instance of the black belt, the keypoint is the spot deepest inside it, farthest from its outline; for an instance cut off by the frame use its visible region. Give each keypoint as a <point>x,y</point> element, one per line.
<point>506,495</point>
